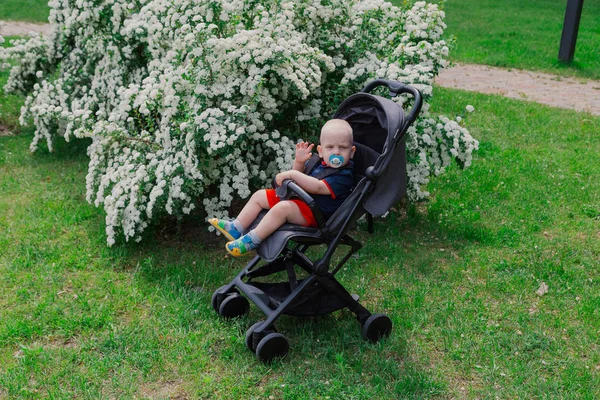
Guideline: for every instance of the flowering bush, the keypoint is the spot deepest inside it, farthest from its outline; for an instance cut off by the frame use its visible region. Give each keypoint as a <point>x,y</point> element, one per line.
<point>204,99</point>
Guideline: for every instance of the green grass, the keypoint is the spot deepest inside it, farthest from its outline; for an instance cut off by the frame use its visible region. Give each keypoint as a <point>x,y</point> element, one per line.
<point>523,34</point>
<point>10,104</point>
<point>511,34</point>
<point>458,275</point>
<point>24,10</point>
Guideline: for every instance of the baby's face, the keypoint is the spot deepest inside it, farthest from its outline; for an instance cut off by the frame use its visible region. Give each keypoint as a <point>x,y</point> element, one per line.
<point>338,143</point>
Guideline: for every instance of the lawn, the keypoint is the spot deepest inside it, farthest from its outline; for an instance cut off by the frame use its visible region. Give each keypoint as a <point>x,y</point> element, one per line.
<point>10,104</point>
<point>458,275</point>
<point>522,34</point>
<point>24,10</point>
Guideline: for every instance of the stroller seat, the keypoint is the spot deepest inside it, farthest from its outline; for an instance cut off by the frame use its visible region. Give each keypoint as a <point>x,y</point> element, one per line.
<point>271,247</point>
<point>379,126</point>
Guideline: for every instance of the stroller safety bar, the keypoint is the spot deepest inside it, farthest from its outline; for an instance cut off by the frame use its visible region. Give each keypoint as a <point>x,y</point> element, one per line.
<point>289,187</point>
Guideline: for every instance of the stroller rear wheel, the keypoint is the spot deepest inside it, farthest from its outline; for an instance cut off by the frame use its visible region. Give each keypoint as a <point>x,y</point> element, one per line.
<point>233,306</point>
<point>376,327</point>
<point>272,346</point>
<point>250,335</point>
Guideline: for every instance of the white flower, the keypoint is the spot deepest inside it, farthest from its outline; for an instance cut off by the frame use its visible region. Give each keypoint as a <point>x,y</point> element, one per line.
<point>181,103</point>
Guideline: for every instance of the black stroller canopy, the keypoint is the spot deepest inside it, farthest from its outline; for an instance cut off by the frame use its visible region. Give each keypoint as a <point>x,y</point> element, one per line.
<point>375,123</point>
<point>374,119</point>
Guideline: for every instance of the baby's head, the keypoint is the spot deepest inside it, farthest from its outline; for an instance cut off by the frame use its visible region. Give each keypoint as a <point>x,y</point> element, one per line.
<point>336,148</point>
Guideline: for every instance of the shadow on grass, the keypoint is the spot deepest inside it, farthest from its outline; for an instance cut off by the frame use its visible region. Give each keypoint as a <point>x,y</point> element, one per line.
<point>192,263</point>
<point>63,151</point>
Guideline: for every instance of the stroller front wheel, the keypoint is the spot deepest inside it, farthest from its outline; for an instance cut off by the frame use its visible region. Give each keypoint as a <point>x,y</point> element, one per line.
<point>272,346</point>
<point>217,298</point>
<point>376,327</point>
<point>250,342</point>
<point>234,305</point>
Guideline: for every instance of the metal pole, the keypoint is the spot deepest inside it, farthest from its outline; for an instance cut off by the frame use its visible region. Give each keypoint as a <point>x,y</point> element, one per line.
<point>570,28</point>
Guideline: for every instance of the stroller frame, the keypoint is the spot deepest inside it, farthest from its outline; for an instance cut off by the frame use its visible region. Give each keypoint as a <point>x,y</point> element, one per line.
<point>324,293</point>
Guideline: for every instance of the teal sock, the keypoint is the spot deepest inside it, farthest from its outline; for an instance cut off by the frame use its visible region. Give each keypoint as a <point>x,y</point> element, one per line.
<point>233,224</point>
<point>255,239</point>
<point>238,226</point>
<point>243,245</point>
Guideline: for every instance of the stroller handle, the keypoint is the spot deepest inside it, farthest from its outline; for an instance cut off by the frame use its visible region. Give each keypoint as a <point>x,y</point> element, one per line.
<point>397,88</point>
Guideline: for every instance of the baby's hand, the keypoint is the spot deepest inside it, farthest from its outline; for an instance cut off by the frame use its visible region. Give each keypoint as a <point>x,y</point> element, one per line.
<point>280,177</point>
<point>304,151</point>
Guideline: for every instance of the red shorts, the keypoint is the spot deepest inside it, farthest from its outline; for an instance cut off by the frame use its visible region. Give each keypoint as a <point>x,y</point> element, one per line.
<point>273,199</point>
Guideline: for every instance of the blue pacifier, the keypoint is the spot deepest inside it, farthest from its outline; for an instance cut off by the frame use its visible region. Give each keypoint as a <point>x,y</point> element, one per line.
<point>336,161</point>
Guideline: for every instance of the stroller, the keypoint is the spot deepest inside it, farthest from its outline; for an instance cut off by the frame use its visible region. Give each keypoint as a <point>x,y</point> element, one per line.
<point>379,125</point>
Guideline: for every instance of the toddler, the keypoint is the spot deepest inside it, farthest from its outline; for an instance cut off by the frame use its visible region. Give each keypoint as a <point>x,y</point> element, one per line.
<point>336,151</point>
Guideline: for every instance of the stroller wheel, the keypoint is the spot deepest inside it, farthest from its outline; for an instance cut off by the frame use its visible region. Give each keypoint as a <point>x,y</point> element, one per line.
<point>377,326</point>
<point>272,346</point>
<point>250,332</point>
<point>215,297</point>
<point>233,306</point>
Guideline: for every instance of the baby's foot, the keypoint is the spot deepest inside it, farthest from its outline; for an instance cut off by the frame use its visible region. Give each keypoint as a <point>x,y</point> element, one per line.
<point>241,246</point>
<point>226,228</point>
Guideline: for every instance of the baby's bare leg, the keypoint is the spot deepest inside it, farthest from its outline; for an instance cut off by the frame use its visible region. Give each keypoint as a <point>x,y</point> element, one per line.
<point>282,212</point>
<point>253,207</point>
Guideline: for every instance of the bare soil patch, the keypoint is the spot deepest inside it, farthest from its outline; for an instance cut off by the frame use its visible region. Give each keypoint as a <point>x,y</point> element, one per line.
<point>4,131</point>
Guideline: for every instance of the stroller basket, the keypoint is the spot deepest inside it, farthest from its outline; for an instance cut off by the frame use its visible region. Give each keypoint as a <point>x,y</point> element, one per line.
<point>315,301</point>
<point>379,126</point>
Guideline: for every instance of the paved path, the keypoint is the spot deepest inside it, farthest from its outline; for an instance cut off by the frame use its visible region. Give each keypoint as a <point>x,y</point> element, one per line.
<point>573,93</point>
<point>17,28</point>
